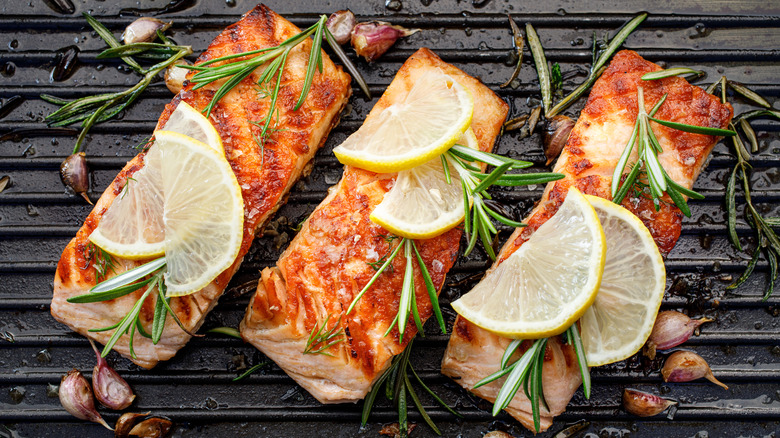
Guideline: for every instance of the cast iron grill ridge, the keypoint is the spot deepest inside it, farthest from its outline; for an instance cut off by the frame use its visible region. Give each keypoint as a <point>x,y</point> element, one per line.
<point>37,219</point>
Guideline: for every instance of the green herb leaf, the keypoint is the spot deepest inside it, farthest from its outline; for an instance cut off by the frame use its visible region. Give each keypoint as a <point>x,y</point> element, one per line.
<point>749,94</point>
<point>671,72</point>
<point>556,77</point>
<point>694,129</point>
<point>229,331</point>
<point>251,370</point>
<point>542,69</point>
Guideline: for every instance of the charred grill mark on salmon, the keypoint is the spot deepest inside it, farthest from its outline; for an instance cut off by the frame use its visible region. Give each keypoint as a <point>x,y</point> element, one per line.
<point>327,264</point>
<point>588,161</point>
<point>265,176</point>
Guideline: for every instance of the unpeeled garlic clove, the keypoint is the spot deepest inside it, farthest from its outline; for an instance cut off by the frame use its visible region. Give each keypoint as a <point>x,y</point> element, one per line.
<point>644,404</point>
<point>144,30</point>
<point>126,422</point>
<point>154,427</point>
<point>75,174</point>
<point>671,329</point>
<point>111,390</point>
<point>340,25</point>
<point>684,366</point>
<point>76,397</point>
<point>556,134</point>
<point>175,75</point>
<point>372,39</point>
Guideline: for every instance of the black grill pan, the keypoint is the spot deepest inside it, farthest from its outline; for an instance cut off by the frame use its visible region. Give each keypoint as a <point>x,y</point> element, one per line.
<point>37,219</point>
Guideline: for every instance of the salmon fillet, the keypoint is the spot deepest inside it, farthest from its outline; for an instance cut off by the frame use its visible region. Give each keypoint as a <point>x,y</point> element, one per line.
<point>327,264</point>
<point>588,161</point>
<point>264,174</point>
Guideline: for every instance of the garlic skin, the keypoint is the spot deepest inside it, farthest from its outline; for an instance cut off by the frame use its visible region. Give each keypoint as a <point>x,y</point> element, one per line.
<point>175,76</point>
<point>684,366</point>
<point>556,134</point>
<point>111,390</point>
<point>76,398</point>
<point>643,404</point>
<point>671,329</point>
<point>372,39</point>
<point>144,30</point>
<point>75,174</point>
<point>340,25</point>
<point>154,427</point>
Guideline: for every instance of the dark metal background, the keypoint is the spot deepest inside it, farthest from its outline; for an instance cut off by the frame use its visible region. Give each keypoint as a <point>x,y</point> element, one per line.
<point>37,218</point>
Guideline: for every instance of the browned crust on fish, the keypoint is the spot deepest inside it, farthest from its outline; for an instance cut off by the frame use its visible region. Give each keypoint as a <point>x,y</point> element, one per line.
<point>588,161</point>
<point>265,176</point>
<point>326,266</point>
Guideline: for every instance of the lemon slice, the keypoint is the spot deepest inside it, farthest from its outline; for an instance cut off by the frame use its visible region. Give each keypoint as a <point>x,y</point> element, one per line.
<point>132,227</point>
<point>188,121</point>
<point>548,283</point>
<point>621,319</point>
<point>203,212</point>
<point>416,129</point>
<point>421,203</point>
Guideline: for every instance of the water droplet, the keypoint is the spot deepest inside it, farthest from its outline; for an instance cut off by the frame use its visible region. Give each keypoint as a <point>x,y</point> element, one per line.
<point>659,33</point>
<point>9,69</point>
<point>13,45</point>
<point>230,3</point>
<point>211,404</point>
<point>17,394</point>
<point>43,356</point>
<point>577,42</point>
<point>394,5</point>
<point>561,11</point>
<point>467,31</point>
<point>482,46</point>
<point>426,2</point>
<point>699,31</point>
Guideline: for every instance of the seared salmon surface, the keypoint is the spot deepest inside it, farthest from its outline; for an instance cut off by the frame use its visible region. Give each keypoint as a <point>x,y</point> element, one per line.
<point>265,175</point>
<point>327,264</point>
<point>588,161</point>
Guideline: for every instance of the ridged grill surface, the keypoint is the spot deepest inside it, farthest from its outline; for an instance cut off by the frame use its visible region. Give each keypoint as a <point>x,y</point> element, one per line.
<point>38,218</point>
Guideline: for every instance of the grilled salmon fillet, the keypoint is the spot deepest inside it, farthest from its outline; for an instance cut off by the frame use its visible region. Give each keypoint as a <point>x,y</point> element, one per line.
<point>588,161</point>
<point>265,175</point>
<point>327,264</point>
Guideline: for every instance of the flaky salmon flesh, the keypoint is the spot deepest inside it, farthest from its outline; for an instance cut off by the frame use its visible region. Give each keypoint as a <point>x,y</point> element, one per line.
<point>328,263</point>
<point>588,161</point>
<point>264,174</point>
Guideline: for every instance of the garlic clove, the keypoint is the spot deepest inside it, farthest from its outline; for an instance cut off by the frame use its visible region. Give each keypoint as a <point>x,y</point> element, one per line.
<point>111,390</point>
<point>75,174</point>
<point>685,366</point>
<point>144,30</point>
<point>340,25</point>
<point>556,134</point>
<point>154,427</point>
<point>644,404</point>
<point>126,422</point>
<point>175,76</point>
<point>76,397</point>
<point>372,39</point>
<point>671,329</point>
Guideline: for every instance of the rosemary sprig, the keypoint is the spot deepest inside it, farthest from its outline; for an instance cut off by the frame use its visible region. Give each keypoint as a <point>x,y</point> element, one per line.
<point>598,66</point>
<point>232,69</point>
<point>767,240</point>
<point>149,277</point>
<point>397,386</point>
<point>671,72</point>
<point>90,110</point>
<point>644,140</point>
<point>322,338</point>
<point>479,215</point>
<point>542,70</point>
<point>408,300</point>
<point>103,262</point>
<point>527,372</point>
